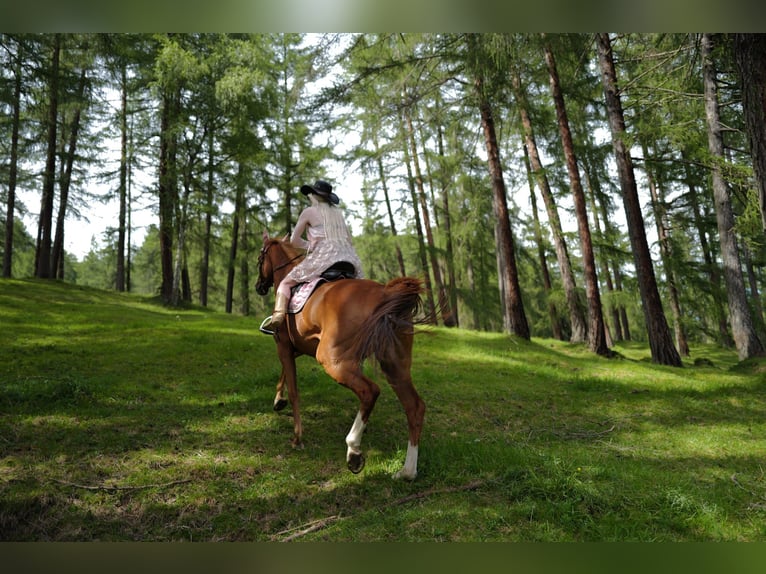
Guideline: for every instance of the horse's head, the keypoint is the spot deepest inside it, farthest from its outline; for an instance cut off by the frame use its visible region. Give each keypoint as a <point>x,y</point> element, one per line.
<point>276,259</point>
<point>265,267</point>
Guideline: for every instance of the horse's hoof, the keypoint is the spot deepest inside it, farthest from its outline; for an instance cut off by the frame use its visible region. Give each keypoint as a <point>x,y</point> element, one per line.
<point>401,475</point>
<point>356,462</point>
<point>297,445</point>
<point>280,404</point>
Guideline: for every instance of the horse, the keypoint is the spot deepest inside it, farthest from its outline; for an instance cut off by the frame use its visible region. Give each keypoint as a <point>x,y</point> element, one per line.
<point>340,325</point>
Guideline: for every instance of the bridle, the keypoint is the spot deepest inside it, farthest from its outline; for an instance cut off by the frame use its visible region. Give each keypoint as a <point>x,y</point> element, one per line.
<point>263,285</point>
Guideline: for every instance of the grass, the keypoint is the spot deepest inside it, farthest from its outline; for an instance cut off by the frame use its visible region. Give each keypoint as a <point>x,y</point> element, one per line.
<point>124,420</point>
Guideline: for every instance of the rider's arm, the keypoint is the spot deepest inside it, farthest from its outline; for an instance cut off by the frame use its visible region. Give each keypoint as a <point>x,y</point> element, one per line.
<point>297,237</point>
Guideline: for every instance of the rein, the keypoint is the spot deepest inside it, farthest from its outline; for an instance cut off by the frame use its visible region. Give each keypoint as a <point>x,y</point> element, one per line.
<point>264,284</point>
<point>286,263</point>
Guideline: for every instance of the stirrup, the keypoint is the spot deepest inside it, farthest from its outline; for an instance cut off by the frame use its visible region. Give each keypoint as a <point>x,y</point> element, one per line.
<point>263,329</point>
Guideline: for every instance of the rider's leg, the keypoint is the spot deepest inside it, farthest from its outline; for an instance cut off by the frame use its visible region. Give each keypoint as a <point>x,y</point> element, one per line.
<point>280,304</point>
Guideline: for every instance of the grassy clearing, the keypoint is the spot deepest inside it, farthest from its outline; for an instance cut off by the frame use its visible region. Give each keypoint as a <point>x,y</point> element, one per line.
<point>123,420</point>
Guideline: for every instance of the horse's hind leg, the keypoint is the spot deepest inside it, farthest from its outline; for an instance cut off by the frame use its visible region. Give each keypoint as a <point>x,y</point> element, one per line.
<point>367,392</point>
<point>400,379</point>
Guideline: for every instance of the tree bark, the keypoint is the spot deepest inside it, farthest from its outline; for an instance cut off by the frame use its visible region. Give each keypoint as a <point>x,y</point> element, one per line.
<point>449,251</point>
<point>660,340</point>
<point>596,332</point>
<point>514,316</point>
<point>123,191</point>
<point>443,306</point>
<point>57,261</point>
<point>553,314</point>
<point>389,210</point>
<point>663,238</point>
<point>244,265</point>
<point>745,338</point>
<point>750,55</point>
<point>45,227</point>
<point>576,316</point>
<point>206,240</point>
<point>755,297</point>
<point>603,259</point>
<point>239,206</point>
<point>430,306</point>
<point>168,193</point>
<point>14,162</point>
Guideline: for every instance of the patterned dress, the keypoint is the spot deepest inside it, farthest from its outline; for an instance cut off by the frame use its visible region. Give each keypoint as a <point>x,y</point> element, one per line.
<point>324,251</point>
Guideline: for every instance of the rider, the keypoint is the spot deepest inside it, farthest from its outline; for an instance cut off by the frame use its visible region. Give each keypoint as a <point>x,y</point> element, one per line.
<point>328,242</point>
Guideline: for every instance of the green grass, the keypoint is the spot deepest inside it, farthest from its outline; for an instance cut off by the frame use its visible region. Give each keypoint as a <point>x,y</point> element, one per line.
<point>124,420</point>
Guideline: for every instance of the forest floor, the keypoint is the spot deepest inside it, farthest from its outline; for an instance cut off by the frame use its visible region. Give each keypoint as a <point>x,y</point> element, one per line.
<point>123,420</point>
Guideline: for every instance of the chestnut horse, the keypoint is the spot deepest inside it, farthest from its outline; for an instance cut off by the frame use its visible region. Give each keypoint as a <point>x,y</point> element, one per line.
<point>341,324</point>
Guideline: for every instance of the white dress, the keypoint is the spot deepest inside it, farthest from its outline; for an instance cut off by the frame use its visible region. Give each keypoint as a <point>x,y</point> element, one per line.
<point>323,252</point>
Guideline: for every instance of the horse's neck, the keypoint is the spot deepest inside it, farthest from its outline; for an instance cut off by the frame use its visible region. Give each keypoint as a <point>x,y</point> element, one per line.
<point>285,263</point>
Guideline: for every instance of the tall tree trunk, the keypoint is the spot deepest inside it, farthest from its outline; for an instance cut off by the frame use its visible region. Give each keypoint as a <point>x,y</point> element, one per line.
<point>129,215</point>
<point>600,206</point>
<point>168,193</point>
<point>750,55</point>
<point>123,191</point>
<point>244,264</point>
<point>594,188</point>
<point>553,314</point>
<point>430,305</point>
<point>239,203</point>
<point>470,275</point>
<point>755,297</point>
<point>57,262</point>
<point>724,338</point>
<point>449,251</point>
<point>443,306</point>
<point>596,333</point>
<point>660,341</point>
<point>576,315</point>
<point>45,227</point>
<point>389,210</point>
<point>745,337</point>
<point>180,243</point>
<point>663,238</point>
<point>14,162</point>
<point>205,263</point>
<point>515,319</point>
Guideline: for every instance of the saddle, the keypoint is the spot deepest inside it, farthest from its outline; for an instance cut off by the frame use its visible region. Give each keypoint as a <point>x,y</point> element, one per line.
<point>339,270</point>
<point>301,292</point>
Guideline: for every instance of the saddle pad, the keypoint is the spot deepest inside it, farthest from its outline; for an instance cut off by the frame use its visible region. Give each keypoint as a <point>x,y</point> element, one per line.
<point>302,293</point>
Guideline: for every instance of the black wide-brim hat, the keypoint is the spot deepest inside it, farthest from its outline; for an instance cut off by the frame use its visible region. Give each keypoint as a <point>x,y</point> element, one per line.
<point>323,190</point>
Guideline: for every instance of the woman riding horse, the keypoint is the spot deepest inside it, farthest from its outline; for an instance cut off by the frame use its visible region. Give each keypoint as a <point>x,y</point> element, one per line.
<point>328,242</point>
<point>342,324</point>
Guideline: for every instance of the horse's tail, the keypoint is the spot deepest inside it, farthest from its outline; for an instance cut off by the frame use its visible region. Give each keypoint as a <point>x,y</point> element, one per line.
<point>393,317</point>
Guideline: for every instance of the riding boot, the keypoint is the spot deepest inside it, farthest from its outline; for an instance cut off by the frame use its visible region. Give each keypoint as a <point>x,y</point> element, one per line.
<point>280,308</point>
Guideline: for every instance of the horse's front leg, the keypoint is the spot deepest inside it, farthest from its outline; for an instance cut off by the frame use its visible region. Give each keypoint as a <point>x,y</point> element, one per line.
<point>354,457</point>
<point>288,377</point>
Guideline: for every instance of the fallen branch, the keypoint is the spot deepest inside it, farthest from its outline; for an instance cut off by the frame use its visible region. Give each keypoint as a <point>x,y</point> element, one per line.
<point>418,495</point>
<point>584,435</point>
<point>315,525</point>
<point>120,488</point>
<point>307,528</point>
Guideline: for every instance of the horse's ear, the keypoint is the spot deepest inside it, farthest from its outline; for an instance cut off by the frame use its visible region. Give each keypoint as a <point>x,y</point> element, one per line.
<point>265,236</point>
